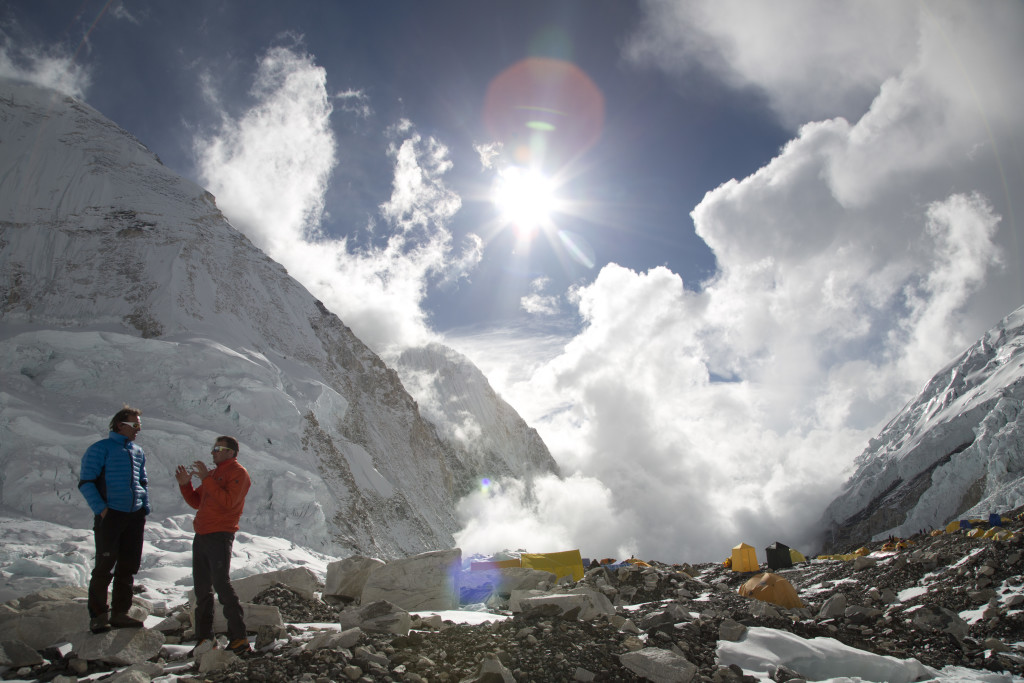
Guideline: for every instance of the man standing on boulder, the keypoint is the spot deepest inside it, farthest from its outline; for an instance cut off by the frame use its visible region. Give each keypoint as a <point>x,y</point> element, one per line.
<point>219,501</point>
<point>113,480</point>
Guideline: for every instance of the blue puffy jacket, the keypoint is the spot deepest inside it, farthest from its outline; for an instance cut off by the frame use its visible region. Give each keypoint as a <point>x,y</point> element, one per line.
<point>118,466</point>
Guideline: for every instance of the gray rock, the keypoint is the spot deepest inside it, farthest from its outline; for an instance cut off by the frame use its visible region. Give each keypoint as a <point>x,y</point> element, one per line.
<point>139,673</point>
<point>763,610</point>
<point>336,641</point>
<point>732,631</point>
<point>120,646</point>
<point>300,579</point>
<point>422,582</point>
<point>858,614</point>
<point>377,616</point>
<point>996,645</point>
<point>660,666</point>
<point>864,562</point>
<point>255,617</point>
<point>936,618</point>
<point>44,622</point>
<point>346,578</point>
<point>16,653</point>
<point>491,671</point>
<point>833,607</point>
<point>588,604</point>
<point>216,660</point>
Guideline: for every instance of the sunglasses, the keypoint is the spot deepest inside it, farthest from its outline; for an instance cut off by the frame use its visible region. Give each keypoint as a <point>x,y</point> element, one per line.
<point>134,425</point>
<point>218,449</point>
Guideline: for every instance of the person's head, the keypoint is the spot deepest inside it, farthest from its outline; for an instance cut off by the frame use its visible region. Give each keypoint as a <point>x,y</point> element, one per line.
<point>127,422</point>
<point>224,448</point>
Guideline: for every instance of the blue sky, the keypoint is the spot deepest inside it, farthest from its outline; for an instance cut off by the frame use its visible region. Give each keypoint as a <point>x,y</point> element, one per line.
<point>786,219</point>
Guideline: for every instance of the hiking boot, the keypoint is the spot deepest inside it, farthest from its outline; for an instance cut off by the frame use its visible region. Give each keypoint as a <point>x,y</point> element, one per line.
<point>240,646</point>
<point>203,645</point>
<point>99,623</point>
<point>124,621</point>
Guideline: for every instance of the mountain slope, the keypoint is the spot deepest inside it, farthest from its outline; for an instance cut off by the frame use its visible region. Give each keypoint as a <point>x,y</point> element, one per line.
<point>121,282</point>
<point>453,394</point>
<point>957,450</point>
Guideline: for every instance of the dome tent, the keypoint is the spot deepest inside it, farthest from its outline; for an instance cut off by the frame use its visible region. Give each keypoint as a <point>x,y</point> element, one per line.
<point>772,588</point>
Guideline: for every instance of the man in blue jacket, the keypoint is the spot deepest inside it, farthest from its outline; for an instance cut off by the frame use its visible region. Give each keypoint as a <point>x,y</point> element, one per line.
<point>113,480</point>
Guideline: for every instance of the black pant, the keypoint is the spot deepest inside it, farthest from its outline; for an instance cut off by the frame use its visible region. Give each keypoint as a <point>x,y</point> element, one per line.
<point>118,538</point>
<point>211,563</point>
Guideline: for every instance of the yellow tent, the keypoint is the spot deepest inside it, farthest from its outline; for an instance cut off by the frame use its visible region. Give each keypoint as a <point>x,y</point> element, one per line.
<point>772,588</point>
<point>863,550</point>
<point>744,558</point>
<point>796,556</point>
<point>566,563</point>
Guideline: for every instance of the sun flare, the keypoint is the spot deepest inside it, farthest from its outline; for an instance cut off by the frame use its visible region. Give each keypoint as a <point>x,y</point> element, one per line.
<point>525,199</point>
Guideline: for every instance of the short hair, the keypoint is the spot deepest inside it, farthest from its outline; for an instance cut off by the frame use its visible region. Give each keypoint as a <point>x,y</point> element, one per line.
<point>230,441</point>
<point>124,415</point>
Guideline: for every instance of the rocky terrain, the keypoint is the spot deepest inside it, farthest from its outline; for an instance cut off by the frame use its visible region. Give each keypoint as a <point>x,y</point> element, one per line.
<point>906,603</point>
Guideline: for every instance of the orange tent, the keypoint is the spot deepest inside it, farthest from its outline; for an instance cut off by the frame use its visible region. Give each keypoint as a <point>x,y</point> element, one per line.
<point>772,588</point>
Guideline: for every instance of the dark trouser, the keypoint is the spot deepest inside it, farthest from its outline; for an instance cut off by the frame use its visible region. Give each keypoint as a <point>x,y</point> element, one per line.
<point>118,556</point>
<point>211,562</point>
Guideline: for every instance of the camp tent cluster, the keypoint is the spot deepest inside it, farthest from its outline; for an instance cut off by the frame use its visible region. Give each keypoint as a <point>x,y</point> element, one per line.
<point>778,556</point>
<point>767,586</point>
<point>561,564</point>
<point>980,528</point>
<point>775,589</point>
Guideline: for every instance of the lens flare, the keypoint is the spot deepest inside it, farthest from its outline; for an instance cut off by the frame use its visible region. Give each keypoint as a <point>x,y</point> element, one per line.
<point>524,198</point>
<point>545,111</point>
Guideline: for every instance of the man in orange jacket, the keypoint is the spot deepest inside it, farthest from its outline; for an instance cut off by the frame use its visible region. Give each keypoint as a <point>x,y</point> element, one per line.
<point>219,501</point>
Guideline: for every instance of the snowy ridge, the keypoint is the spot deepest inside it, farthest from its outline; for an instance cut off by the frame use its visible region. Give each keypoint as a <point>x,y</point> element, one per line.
<point>956,450</point>
<point>121,282</point>
<point>454,394</point>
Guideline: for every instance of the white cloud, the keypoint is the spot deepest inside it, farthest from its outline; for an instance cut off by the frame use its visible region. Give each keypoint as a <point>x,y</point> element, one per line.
<point>269,170</point>
<point>119,11</point>
<point>550,515</point>
<point>851,267</point>
<point>489,154</point>
<point>355,102</point>
<point>538,303</point>
<point>811,59</point>
<point>51,67</point>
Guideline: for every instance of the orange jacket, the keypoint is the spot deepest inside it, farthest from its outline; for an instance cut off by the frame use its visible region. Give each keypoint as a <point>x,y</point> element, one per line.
<point>219,499</point>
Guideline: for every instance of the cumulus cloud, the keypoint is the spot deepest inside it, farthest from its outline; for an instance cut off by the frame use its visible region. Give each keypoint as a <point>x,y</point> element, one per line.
<point>855,47</point>
<point>51,67</point>
<point>269,170</point>
<point>852,266</point>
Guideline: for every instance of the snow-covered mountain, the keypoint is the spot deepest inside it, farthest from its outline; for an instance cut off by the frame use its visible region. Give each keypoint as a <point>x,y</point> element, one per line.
<point>121,282</point>
<point>955,451</point>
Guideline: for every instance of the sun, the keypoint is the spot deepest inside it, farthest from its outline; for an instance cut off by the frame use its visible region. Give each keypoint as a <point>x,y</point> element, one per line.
<point>525,199</point>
